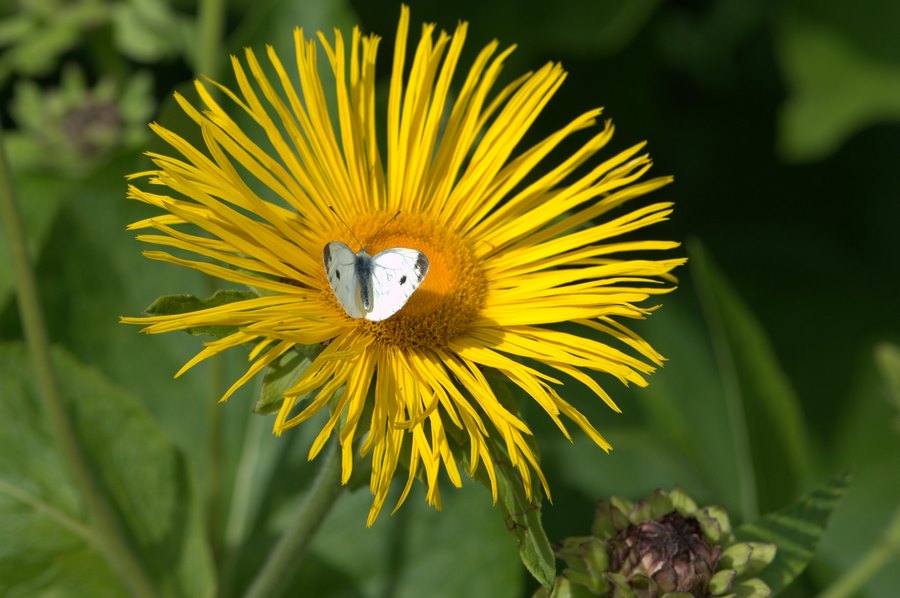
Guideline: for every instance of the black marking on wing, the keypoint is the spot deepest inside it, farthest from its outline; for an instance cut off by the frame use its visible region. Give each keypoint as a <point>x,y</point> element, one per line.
<point>421,266</point>
<point>403,279</point>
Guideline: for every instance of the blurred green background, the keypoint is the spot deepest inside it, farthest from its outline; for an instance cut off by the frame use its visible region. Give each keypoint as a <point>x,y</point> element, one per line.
<point>779,121</point>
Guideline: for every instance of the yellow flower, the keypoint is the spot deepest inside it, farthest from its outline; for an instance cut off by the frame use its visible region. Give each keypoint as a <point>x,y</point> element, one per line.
<point>515,248</point>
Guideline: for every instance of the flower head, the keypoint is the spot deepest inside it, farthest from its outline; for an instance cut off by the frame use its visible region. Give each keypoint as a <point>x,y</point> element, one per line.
<point>661,546</point>
<point>511,242</point>
<point>75,127</point>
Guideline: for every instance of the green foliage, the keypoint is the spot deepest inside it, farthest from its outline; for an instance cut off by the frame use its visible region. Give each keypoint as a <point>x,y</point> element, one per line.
<point>74,128</point>
<point>38,32</point>
<point>887,359</point>
<point>769,384</point>
<point>49,540</point>
<point>867,444</point>
<point>464,549</point>
<point>842,73</point>
<point>150,30</point>
<point>179,304</point>
<point>280,377</point>
<point>764,414</point>
<point>796,530</point>
<point>835,89</point>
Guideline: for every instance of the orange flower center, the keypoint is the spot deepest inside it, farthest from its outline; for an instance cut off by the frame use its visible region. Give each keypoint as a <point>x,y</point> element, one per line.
<point>449,298</point>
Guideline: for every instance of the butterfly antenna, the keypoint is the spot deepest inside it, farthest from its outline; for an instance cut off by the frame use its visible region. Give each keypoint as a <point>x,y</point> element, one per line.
<point>383,226</point>
<point>349,230</point>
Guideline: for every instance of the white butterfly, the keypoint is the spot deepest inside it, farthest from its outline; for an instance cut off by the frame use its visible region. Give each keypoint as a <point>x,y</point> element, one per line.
<point>374,288</point>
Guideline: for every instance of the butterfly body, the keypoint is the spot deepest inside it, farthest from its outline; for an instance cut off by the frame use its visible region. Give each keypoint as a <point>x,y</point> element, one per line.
<point>373,287</point>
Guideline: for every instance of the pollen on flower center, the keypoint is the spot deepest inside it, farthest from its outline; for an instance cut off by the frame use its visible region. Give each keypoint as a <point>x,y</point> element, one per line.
<point>448,299</point>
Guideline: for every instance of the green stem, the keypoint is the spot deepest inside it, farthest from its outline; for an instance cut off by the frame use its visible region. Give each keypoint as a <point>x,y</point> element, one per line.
<point>286,557</point>
<point>211,24</point>
<point>210,27</point>
<point>109,537</point>
<point>886,551</point>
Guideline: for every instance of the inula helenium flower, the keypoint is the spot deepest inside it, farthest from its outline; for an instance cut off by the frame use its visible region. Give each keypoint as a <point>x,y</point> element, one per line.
<point>515,246</point>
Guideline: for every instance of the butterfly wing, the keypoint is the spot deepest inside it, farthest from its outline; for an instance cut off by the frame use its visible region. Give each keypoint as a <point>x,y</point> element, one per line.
<point>396,274</point>
<point>340,266</point>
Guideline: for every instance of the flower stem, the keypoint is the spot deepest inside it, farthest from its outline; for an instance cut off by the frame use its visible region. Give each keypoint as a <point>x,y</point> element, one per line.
<point>210,25</point>
<point>887,549</point>
<point>285,558</point>
<point>106,532</point>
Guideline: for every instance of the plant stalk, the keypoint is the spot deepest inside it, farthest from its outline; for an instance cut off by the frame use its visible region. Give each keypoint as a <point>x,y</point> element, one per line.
<point>210,27</point>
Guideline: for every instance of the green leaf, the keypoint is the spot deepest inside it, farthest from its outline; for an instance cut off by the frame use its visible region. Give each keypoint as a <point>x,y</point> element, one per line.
<point>887,359</point>
<point>752,588</point>
<point>180,304</point>
<point>279,377</point>
<point>14,27</point>
<point>401,555</point>
<point>765,419</point>
<point>136,101</point>
<point>48,542</point>
<point>835,88</point>
<point>747,558</point>
<point>38,52</point>
<point>91,270</point>
<point>796,531</point>
<point>865,441</point>
<point>461,550</point>
<point>564,588</point>
<point>673,433</point>
<point>722,582</point>
<point>148,30</point>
